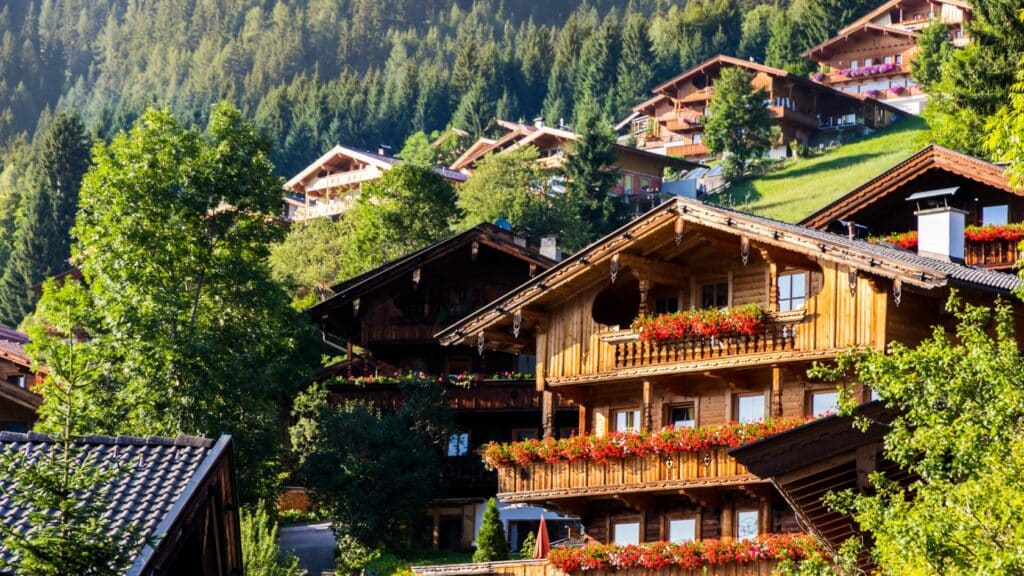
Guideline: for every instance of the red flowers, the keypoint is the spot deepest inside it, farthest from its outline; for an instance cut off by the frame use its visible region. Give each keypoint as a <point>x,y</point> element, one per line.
<point>905,240</point>
<point>620,445</point>
<point>688,556</point>
<point>744,320</point>
<point>979,234</point>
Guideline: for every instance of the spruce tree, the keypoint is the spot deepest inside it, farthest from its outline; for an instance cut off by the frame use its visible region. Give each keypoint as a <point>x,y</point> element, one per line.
<point>590,173</point>
<point>738,122</point>
<point>491,544</point>
<point>935,50</point>
<point>636,65</point>
<point>42,240</point>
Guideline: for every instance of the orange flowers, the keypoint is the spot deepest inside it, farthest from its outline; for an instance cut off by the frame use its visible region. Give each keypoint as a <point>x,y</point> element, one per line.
<point>620,445</point>
<point>712,322</point>
<point>688,555</point>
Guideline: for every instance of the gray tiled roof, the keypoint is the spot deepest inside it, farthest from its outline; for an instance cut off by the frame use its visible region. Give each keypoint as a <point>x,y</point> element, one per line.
<point>158,470</point>
<point>955,273</point>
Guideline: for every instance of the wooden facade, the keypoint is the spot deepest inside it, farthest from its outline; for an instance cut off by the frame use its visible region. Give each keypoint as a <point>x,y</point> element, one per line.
<point>18,400</point>
<point>872,55</point>
<point>331,184</point>
<point>672,121</point>
<point>821,293</point>
<point>881,205</point>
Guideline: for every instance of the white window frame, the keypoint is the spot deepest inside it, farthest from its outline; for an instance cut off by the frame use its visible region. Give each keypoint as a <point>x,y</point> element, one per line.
<point>743,518</point>
<point>740,407</point>
<point>687,527</point>
<point>833,405</point>
<point>627,414</point>
<point>623,538</point>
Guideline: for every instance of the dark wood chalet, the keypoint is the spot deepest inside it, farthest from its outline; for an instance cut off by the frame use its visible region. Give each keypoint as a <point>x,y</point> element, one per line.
<point>734,310</point>
<point>872,55</point>
<point>671,122</point>
<point>384,321</point>
<point>993,212</point>
<point>18,401</point>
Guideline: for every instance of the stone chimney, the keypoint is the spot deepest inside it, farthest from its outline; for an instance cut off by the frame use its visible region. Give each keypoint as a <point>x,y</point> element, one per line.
<point>549,248</point>
<point>940,226</point>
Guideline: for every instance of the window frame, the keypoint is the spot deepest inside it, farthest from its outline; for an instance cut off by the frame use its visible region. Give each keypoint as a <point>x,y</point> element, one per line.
<point>614,417</point>
<point>615,527</point>
<point>461,447</point>
<point>693,412</point>
<point>737,402</point>
<point>812,394</point>
<point>715,285</point>
<point>757,523</point>
<point>788,275</point>
<point>668,528</point>
<point>985,222</point>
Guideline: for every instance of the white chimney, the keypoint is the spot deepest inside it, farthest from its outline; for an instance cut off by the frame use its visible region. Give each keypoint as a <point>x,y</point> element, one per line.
<point>940,233</point>
<point>549,248</point>
<point>538,122</point>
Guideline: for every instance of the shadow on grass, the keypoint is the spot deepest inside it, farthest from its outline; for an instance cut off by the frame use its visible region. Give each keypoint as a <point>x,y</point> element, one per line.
<point>830,164</point>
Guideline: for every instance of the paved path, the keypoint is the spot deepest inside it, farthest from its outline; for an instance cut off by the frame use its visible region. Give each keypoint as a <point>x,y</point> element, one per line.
<point>313,544</point>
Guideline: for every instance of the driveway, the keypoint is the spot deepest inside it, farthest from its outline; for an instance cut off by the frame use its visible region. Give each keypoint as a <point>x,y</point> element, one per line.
<point>313,544</point>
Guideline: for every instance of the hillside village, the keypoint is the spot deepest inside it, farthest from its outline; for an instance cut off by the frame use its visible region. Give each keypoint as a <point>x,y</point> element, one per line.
<point>760,314</point>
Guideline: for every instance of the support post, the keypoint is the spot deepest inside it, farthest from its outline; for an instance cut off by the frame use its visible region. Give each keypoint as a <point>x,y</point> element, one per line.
<point>583,427</point>
<point>776,392</point>
<point>542,352</point>
<point>547,407</point>
<point>645,416</point>
<point>437,529</point>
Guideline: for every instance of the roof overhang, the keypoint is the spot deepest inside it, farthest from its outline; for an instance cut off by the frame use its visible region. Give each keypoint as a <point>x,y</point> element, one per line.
<point>849,33</point>
<point>330,155</point>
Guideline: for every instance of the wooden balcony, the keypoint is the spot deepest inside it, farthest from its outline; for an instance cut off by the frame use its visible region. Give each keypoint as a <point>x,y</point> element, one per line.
<point>779,335</point>
<point>687,150</point>
<point>789,115</point>
<point>997,255</point>
<point>539,481</point>
<point>507,567</point>
<point>481,395</point>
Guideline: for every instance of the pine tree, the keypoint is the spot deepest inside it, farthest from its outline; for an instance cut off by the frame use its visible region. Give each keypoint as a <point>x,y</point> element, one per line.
<point>491,544</point>
<point>636,66</point>
<point>590,174</point>
<point>42,239</point>
<point>756,32</point>
<point>935,50</point>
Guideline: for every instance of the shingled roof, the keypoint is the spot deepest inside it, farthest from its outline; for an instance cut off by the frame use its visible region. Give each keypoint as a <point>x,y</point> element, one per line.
<point>162,475</point>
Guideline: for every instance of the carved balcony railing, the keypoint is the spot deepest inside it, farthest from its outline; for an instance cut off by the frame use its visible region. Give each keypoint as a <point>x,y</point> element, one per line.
<point>540,481</point>
<point>996,254</point>
<point>777,335</point>
<point>480,395</point>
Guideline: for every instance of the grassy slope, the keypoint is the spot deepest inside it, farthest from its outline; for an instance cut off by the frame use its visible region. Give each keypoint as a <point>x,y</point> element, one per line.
<point>804,186</point>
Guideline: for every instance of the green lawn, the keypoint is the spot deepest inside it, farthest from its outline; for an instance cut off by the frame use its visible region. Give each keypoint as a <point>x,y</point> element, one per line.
<point>803,186</point>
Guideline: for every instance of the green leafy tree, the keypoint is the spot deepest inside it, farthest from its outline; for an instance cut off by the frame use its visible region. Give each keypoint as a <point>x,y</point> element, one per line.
<point>65,490</point>
<point>934,50</point>
<point>737,123</point>
<point>590,174</point>
<point>173,236</point>
<point>512,186</point>
<point>977,80</point>
<point>491,544</point>
<point>957,433</point>
<point>313,257</point>
<point>261,554</point>
<point>417,150</point>
<point>42,240</point>
<point>409,208</point>
<point>373,472</point>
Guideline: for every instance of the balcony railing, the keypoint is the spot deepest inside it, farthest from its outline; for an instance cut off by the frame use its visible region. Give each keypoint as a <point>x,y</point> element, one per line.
<point>540,481</point>
<point>996,254</point>
<point>778,335</point>
<point>686,150</point>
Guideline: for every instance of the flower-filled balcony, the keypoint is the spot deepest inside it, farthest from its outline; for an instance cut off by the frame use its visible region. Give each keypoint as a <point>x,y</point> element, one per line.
<point>993,246</point>
<point>755,557</point>
<point>671,459</point>
<point>700,335</point>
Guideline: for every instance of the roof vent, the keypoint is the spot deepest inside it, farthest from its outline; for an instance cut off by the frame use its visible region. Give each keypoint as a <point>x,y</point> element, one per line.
<point>940,226</point>
<point>384,150</point>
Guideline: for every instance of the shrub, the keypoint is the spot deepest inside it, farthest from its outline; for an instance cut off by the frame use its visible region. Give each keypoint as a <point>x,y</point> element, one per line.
<point>491,543</point>
<point>261,555</point>
<point>529,546</point>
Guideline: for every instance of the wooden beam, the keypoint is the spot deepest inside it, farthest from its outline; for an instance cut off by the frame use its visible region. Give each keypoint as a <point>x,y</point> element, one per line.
<point>548,413</point>
<point>659,271</point>
<point>541,355</point>
<point>867,462</point>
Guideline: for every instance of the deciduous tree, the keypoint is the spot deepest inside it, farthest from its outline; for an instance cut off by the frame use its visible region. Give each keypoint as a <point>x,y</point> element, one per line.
<point>737,123</point>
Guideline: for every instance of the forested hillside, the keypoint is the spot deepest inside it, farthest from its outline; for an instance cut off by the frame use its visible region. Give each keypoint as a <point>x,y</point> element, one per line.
<point>367,72</point>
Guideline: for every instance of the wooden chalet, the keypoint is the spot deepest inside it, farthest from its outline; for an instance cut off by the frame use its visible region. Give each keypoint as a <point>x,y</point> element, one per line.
<point>331,184</point>
<point>671,122</point>
<point>979,188</point>
<point>641,173</point>
<point>18,402</point>
<point>817,293</point>
<point>872,55</point>
<point>385,320</point>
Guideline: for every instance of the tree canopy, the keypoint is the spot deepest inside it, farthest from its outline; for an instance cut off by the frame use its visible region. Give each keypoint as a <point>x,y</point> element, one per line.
<point>737,123</point>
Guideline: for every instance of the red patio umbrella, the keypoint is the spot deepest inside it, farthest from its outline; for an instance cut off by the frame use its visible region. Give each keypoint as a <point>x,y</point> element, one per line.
<point>543,542</point>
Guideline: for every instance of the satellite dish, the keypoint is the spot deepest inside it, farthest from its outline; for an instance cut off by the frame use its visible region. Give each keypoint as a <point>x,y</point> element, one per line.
<point>503,224</point>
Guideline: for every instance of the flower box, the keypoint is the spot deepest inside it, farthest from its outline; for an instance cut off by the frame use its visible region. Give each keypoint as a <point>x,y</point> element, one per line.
<point>711,322</point>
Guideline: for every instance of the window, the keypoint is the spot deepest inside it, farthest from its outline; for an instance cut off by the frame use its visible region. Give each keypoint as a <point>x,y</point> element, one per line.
<point>526,364</point>
<point>682,530</point>
<point>746,524</point>
<point>682,416</point>
<point>645,184</point>
<point>824,403</point>
<point>698,138</point>
<point>873,395</point>
<point>750,408</point>
<point>627,183</point>
<point>792,291</point>
<point>714,295</point>
<point>887,60</point>
<point>899,58</point>
<point>666,305</point>
<point>17,379</point>
<point>627,420</point>
<point>520,434</point>
<point>626,533</point>
<point>991,215</point>
<point>458,444</point>
<point>853,63</point>
<point>868,61</point>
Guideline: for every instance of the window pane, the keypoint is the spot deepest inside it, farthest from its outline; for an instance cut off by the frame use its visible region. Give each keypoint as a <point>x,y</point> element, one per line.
<point>458,444</point>
<point>995,215</point>
<point>682,417</point>
<point>750,408</point>
<point>722,294</point>
<point>824,403</point>
<point>746,524</point>
<point>627,421</point>
<point>796,303</point>
<point>785,282</point>
<point>683,530</point>
<point>707,296</point>
<point>799,284</point>
<point>626,533</point>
